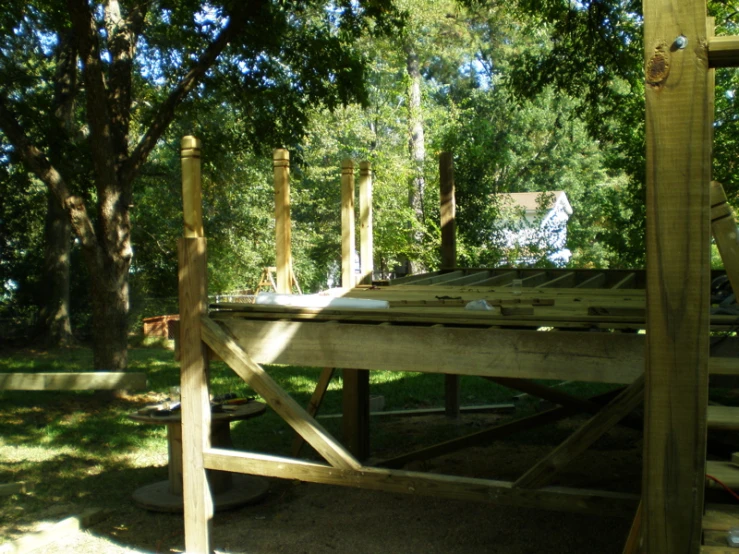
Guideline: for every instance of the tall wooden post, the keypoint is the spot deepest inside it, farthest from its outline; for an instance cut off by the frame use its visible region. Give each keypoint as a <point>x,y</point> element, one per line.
<point>365,222</point>
<point>198,501</point>
<point>281,162</point>
<point>725,233</point>
<point>679,118</point>
<point>348,279</point>
<point>448,211</point>
<point>355,394</point>
<point>448,260</point>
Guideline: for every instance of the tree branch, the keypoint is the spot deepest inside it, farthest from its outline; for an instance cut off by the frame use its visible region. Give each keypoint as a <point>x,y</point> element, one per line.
<point>166,112</point>
<point>34,159</point>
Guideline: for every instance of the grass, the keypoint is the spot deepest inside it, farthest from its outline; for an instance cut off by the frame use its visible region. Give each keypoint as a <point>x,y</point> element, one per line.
<point>80,450</point>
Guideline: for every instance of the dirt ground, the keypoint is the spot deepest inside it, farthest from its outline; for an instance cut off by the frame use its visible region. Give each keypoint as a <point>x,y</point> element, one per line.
<point>300,518</point>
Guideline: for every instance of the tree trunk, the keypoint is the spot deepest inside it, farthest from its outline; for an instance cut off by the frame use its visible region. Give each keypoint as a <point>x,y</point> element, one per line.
<point>416,149</point>
<point>53,321</point>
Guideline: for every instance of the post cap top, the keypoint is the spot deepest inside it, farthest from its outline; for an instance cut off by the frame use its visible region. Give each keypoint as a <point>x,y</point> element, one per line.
<point>280,154</point>
<point>190,142</point>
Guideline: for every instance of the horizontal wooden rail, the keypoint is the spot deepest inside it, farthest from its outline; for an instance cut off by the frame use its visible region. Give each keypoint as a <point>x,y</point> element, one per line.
<point>723,51</point>
<point>101,380</point>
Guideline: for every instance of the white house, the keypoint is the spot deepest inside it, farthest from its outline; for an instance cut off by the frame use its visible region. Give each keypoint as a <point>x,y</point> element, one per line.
<point>534,222</point>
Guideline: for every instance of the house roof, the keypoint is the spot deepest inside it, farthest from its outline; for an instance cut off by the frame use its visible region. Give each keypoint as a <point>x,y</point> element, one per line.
<point>530,201</point>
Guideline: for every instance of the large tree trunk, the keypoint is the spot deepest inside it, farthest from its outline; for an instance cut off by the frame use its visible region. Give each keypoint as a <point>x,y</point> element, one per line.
<point>53,321</point>
<point>416,149</point>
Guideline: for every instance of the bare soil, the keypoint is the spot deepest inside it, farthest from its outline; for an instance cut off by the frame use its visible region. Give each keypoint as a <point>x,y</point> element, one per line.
<point>300,518</point>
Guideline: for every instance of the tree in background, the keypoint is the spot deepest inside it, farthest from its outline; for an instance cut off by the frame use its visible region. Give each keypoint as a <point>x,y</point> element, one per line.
<point>131,65</point>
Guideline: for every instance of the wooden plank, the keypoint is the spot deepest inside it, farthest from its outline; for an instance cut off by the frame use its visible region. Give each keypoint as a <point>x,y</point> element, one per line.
<point>723,366</point>
<point>32,542</point>
<point>283,254</point>
<point>487,435</point>
<point>720,517</point>
<point>534,280</point>
<point>723,51</point>
<point>500,279</point>
<point>470,278</point>
<point>475,409</point>
<point>427,484</point>
<point>6,489</point>
<point>725,233</point>
<point>282,403</point>
<point>447,211</point>
<point>566,280</point>
<point>601,357</point>
<point>441,278</point>
<point>314,404</point>
<point>348,277</point>
<point>544,471</point>
<point>633,540</point>
<point>723,417</point>
<point>192,211</point>
<point>627,282</point>
<point>365,223</point>
<point>355,422</point>
<point>99,380</point>
<point>726,472</point>
<point>594,282</point>
<point>198,502</point>
<point>679,136</point>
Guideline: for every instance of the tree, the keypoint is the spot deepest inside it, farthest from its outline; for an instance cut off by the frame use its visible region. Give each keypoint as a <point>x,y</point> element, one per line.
<point>132,64</point>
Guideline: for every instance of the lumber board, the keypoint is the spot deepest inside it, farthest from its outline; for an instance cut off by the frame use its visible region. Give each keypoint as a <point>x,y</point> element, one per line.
<point>723,417</point>
<point>282,403</point>
<point>725,233</point>
<point>6,489</point>
<point>544,471</point>
<point>33,542</point>
<point>723,51</point>
<point>366,241</point>
<point>283,254</point>
<point>426,484</point>
<point>601,357</point>
<point>475,409</point>
<point>720,517</point>
<point>679,135</point>
<point>566,280</point>
<point>88,380</point>
<point>314,404</point>
<point>194,369</point>
<point>355,422</point>
<point>726,472</point>
<point>192,210</point>
<point>348,277</point>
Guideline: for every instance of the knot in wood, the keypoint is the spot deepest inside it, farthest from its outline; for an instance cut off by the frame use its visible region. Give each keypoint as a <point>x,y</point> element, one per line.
<point>658,67</point>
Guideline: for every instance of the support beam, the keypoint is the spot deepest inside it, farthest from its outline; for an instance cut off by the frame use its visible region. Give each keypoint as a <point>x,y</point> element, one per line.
<point>543,472</point>
<point>427,484</point>
<point>314,404</point>
<point>283,255</point>
<point>723,51</point>
<point>193,298</point>
<point>348,279</point>
<point>355,421</point>
<point>281,402</point>
<point>679,122</point>
<point>365,223</point>
<point>725,233</point>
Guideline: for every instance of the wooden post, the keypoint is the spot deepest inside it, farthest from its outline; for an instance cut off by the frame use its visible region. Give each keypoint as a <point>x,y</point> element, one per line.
<point>448,211</point>
<point>281,162</point>
<point>723,227</point>
<point>365,222</point>
<point>679,118</point>
<point>355,392</point>
<point>348,279</point>
<point>198,501</point>
<point>452,383</point>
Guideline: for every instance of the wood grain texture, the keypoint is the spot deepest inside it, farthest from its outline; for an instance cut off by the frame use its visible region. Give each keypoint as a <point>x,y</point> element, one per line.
<point>198,502</point>
<point>283,254</point>
<point>281,402</point>
<point>679,118</point>
<point>579,356</point>
<point>348,279</point>
<point>427,484</point>
<point>366,251</point>
<point>192,210</point>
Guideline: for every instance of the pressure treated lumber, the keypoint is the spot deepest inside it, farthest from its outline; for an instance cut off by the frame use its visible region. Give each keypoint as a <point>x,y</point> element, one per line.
<point>365,223</point>
<point>545,470</point>
<point>601,357</point>
<point>192,210</point>
<point>723,51</point>
<point>348,279</point>
<point>314,404</point>
<point>281,170</point>
<point>725,233</point>
<point>102,380</point>
<point>282,403</point>
<point>198,502</point>
<point>723,417</point>
<point>679,121</point>
<point>426,484</point>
